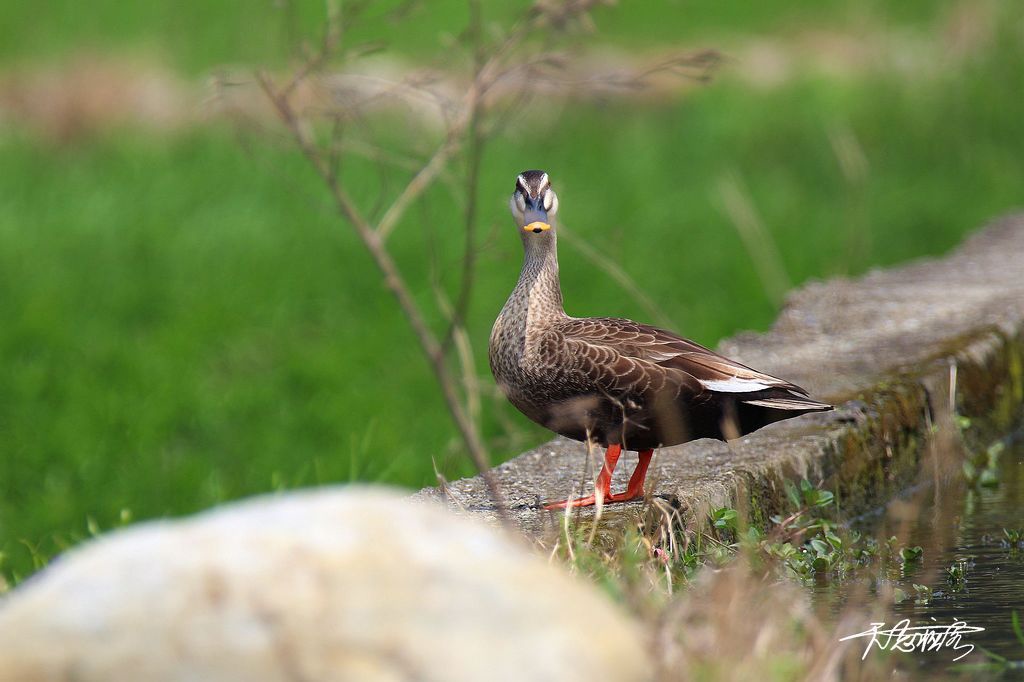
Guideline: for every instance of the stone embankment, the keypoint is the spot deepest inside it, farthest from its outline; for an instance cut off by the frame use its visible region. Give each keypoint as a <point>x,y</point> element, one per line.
<point>889,349</point>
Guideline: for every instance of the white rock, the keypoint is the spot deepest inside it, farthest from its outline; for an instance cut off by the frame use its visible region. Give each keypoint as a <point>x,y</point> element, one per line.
<point>339,584</point>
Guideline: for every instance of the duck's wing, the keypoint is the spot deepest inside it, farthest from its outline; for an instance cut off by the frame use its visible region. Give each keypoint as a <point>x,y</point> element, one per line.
<point>613,357</point>
<point>622,355</point>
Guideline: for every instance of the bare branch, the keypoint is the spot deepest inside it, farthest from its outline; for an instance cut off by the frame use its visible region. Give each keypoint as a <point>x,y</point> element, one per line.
<point>420,182</point>
<point>475,156</point>
<point>330,42</point>
<point>396,284</point>
<point>464,352</point>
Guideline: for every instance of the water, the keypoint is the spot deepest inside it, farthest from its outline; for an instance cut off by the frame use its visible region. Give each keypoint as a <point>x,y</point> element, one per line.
<point>956,525</point>
<point>993,584</point>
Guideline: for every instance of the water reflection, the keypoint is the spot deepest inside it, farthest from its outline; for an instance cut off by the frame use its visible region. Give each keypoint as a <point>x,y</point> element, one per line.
<point>971,570</point>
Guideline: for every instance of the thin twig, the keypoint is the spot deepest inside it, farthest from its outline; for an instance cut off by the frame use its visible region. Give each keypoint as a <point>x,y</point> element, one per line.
<point>464,352</point>
<point>396,284</point>
<point>420,182</point>
<point>475,157</point>
<point>329,44</point>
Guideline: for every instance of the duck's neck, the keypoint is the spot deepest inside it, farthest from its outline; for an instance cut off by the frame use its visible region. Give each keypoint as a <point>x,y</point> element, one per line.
<point>538,281</point>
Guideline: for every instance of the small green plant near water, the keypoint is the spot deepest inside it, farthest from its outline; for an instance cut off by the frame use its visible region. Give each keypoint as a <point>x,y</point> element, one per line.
<point>983,470</point>
<point>1013,538</point>
<point>922,594</point>
<point>807,546</point>
<point>808,496</point>
<point>911,554</point>
<point>956,575</point>
<point>724,519</point>
<point>804,545</point>
<point>963,423</point>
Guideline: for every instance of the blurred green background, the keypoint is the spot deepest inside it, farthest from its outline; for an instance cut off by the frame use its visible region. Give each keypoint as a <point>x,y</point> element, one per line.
<point>184,321</point>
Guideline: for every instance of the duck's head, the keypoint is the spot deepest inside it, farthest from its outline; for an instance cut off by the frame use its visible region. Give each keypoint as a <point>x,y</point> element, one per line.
<point>533,203</point>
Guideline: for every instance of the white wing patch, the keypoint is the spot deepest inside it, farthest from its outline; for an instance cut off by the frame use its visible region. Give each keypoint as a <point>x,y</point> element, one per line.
<point>736,385</point>
<point>659,355</point>
<point>788,404</point>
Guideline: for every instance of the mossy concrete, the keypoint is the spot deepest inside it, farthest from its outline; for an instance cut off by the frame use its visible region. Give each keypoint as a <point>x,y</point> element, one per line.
<point>889,349</point>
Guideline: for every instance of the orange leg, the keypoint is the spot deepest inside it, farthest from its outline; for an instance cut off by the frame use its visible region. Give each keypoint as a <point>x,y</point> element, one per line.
<point>635,488</point>
<point>603,487</point>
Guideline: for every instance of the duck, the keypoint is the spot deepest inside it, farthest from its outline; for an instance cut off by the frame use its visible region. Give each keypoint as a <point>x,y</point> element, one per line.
<point>610,381</point>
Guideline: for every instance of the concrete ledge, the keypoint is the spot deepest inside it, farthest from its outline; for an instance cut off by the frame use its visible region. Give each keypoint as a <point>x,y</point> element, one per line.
<point>888,348</point>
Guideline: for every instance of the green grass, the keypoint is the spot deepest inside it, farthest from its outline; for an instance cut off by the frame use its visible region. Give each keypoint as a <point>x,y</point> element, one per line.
<point>185,322</point>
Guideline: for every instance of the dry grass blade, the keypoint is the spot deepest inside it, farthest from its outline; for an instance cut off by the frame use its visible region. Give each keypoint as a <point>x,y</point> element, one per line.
<point>755,236</point>
<point>621,277</point>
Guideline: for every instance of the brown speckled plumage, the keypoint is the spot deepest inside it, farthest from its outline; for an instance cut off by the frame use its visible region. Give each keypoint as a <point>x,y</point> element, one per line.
<point>612,380</point>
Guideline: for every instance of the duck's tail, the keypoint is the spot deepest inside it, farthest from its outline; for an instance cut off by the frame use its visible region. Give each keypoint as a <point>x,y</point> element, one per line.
<point>790,400</point>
